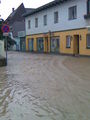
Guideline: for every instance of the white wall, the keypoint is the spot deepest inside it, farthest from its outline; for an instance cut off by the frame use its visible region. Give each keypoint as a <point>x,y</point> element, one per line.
<point>2,51</point>
<point>64,22</point>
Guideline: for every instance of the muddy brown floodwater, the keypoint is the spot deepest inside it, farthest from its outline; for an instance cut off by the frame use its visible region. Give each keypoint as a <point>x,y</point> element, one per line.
<point>45,87</point>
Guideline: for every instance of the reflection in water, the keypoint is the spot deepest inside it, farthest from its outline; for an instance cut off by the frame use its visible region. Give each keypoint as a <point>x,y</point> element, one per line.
<point>40,87</point>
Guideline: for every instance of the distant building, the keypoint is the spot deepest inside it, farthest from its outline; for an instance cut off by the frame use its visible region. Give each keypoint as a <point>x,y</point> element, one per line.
<point>61,26</point>
<point>17,25</point>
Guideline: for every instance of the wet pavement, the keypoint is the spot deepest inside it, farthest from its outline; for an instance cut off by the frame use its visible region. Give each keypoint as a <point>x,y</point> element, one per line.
<point>45,87</point>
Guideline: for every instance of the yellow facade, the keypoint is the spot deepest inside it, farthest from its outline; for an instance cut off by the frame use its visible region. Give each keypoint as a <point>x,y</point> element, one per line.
<point>80,33</point>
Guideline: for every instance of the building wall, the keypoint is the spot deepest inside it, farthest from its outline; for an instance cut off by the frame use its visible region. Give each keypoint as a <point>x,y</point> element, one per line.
<point>17,45</point>
<point>61,29</point>
<point>62,35</point>
<point>2,51</point>
<point>64,23</point>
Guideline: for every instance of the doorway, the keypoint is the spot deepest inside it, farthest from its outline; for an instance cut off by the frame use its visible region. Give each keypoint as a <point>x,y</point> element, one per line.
<point>46,44</point>
<point>22,44</point>
<point>55,44</point>
<point>76,44</point>
<point>40,44</point>
<point>30,44</point>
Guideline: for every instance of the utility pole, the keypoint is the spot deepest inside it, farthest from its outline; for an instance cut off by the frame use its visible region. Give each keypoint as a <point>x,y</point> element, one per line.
<point>6,30</point>
<point>6,49</point>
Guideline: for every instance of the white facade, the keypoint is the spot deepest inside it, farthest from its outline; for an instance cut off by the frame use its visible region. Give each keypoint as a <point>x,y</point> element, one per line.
<point>2,51</point>
<point>64,22</point>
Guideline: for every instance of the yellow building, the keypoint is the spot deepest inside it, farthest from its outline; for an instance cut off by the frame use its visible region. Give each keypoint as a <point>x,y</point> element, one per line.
<point>48,32</point>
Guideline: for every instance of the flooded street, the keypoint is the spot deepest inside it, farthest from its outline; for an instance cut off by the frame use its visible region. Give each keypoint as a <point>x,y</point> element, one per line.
<point>45,87</point>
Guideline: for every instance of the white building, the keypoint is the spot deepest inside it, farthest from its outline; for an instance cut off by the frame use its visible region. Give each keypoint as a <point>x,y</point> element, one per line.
<point>60,26</point>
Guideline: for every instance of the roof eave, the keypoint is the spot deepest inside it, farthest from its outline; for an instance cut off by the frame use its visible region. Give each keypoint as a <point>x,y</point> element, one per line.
<point>46,6</point>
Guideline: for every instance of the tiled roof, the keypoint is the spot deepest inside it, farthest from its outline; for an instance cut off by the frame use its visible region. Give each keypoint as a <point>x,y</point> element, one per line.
<point>12,14</point>
<point>48,5</point>
<point>16,15</point>
<point>28,10</point>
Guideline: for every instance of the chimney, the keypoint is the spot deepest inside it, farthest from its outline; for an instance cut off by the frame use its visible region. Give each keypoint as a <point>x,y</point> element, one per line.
<point>13,9</point>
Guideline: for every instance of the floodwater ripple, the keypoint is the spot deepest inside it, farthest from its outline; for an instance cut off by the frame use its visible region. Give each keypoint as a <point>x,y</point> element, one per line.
<point>44,87</point>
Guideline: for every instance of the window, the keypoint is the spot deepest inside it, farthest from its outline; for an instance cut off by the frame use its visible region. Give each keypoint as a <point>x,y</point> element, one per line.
<point>88,41</point>
<point>29,24</point>
<point>36,22</point>
<point>45,19</point>
<point>72,12</point>
<point>55,17</point>
<point>68,41</point>
<point>88,7</point>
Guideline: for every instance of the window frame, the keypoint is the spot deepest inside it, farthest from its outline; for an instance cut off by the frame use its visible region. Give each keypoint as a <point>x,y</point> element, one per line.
<point>56,17</point>
<point>68,45</point>
<point>88,47</point>
<point>74,12</point>
<point>88,6</point>
<point>45,20</point>
<point>36,22</point>
<point>29,24</point>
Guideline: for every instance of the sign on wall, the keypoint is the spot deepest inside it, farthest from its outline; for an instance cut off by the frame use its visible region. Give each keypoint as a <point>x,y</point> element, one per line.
<point>21,34</point>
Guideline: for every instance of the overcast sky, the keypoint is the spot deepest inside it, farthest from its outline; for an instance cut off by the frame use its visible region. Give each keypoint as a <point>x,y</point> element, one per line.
<point>7,5</point>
